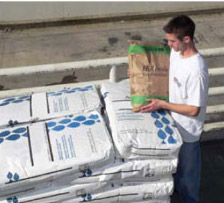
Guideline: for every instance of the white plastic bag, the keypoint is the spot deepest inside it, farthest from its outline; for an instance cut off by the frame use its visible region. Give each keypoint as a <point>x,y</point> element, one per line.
<point>36,153</point>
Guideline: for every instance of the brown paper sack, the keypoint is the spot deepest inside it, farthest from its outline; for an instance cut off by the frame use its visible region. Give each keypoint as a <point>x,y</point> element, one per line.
<point>149,72</point>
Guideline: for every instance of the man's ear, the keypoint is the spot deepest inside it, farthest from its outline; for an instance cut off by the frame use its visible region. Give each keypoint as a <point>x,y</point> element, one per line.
<point>187,39</point>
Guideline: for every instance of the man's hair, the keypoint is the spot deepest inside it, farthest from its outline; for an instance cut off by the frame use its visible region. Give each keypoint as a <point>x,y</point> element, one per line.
<point>181,26</point>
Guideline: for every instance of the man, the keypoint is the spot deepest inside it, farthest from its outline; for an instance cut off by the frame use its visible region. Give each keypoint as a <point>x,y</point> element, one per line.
<point>188,91</point>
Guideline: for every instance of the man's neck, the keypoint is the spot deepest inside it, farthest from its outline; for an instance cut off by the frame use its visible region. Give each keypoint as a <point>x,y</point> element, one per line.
<point>188,51</point>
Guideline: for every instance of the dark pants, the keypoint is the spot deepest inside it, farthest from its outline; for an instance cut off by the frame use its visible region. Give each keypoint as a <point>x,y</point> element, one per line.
<point>188,176</point>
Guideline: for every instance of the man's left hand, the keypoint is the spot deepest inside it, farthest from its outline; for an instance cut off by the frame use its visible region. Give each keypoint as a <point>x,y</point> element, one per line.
<point>154,105</point>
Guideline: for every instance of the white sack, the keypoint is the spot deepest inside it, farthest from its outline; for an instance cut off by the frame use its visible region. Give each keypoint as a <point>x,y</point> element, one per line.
<point>152,192</point>
<point>139,135</point>
<point>98,192</point>
<point>126,170</point>
<point>52,192</point>
<point>35,153</point>
<point>45,105</point>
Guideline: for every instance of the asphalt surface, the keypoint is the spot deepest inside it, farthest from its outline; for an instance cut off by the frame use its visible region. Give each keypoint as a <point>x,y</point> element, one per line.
<point>25,47</point>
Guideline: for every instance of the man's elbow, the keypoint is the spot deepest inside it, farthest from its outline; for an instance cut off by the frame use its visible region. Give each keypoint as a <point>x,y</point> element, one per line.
<point>194,111</point>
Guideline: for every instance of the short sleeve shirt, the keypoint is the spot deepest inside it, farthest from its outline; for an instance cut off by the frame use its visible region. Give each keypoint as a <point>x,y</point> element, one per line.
<point>188,84</point>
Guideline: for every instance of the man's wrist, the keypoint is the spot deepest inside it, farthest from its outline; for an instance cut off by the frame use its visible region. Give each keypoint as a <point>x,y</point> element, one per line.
<point>165,105</point>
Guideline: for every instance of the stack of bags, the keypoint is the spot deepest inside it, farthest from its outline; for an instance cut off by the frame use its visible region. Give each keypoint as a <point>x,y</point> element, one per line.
<point>46,160</point>
<point>56,147</point>
<point>46,105</point>
<point>150,138</point>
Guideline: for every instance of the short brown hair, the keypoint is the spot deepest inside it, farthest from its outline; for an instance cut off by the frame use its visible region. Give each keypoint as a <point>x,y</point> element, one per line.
<point>181,26</point>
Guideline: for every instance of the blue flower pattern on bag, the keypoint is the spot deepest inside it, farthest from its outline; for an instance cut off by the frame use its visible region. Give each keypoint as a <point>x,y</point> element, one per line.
<point>13,135</point>
<point>73,122</point>
<point>14,100</point>
<point>160,122</point>
<point>86,173</point>
<point>86,197</point>
<point>69,91</point>
<point>12,177</point>
<point>12,200</point>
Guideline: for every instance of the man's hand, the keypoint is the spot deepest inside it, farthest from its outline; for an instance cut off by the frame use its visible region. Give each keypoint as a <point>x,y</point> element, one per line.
<point>157,104</point>
<point>154,105</point>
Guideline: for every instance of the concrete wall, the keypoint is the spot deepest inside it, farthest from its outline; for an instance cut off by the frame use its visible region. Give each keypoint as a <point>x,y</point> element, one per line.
<point>22,12</point>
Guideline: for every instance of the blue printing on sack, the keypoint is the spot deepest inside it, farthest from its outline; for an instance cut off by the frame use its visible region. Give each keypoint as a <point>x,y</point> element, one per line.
<point>13,135</point>
<point>69,91</point>
<point>159,124</point>
<point>14,100</point>
<point>73,122</point>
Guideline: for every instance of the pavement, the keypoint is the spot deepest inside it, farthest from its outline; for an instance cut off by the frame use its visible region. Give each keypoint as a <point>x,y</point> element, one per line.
<point>24,47</point>
<point>50,45</point>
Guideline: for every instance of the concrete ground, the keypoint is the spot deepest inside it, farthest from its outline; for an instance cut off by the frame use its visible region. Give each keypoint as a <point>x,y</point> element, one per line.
<point>25,47</point>
<point>50,45</point>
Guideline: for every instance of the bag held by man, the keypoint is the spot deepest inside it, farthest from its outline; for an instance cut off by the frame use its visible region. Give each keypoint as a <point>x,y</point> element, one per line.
<point>149,72</point>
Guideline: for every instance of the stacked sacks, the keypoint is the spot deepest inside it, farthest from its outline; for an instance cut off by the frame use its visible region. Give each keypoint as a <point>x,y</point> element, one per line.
<point>45,105</point>
<point>97,192</point>
<point>151,137</point>
<point>67,158</point>
<point>40,158</point>
<point>71,158</point>
<point>44,160</point>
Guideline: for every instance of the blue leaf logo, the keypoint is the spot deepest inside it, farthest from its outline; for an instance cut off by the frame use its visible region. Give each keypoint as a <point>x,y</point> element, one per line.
<point>154,115</point>
<point>59,128</point>
<point>51,124</point>
<point>165,120</point>
<point>80,118</point>
<point>10,99</point>
<point>162,135</point>
<point>4,133</point>
<point>19,130</point>
<point>15,100</point>
<point>13,137</point>
<point>169,130</point>
<point>158,124</point>
<point>4,104</point>
<point>71,91</point>
<point>74,125</point>
<point>25,134</point>
<point>9,175</point>
<point>24,97</point>
<point>89,122</point>
<point>94,116</point>
<point>18,101</point>
<point>16,177</point>
<point>65,121</point>
<point>172,140</point>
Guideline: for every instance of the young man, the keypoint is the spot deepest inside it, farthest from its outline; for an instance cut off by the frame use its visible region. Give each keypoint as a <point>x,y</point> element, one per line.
<point>188,91</point>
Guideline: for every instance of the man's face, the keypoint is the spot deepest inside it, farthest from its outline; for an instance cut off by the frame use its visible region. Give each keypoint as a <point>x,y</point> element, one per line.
<point>174,42</point>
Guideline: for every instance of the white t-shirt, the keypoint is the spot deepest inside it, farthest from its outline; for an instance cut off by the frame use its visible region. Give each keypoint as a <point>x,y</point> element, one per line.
<point>188,84</point>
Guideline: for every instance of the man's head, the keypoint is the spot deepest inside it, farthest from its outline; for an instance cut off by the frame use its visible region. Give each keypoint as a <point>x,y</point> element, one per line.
<point>179,31</point>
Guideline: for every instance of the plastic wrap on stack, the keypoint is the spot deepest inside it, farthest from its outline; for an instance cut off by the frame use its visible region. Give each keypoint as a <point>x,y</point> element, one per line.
<point>35,153</point>
<point>45,105</point>
<point>139,135</point>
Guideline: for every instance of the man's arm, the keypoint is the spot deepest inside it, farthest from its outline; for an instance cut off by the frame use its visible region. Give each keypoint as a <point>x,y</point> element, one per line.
<point>156,104</point>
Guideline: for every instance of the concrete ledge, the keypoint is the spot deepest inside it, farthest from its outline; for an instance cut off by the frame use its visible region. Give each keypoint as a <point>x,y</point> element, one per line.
<point>7,26</point>
<point>92,64</point>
